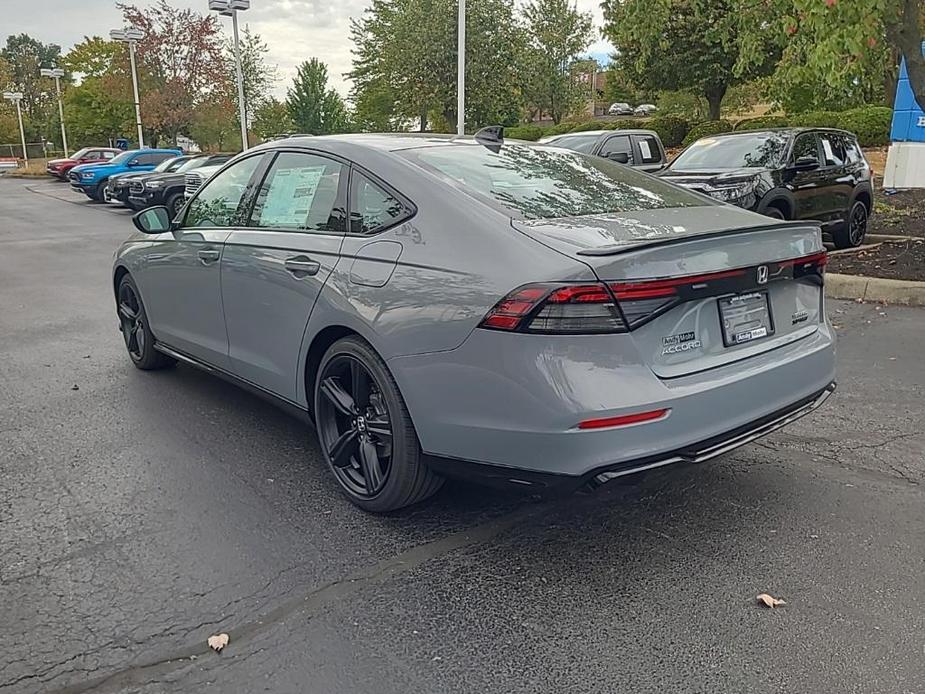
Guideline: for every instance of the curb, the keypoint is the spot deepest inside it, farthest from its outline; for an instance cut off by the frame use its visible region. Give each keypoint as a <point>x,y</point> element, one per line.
<point>889,238</point>
<point>898,292</point>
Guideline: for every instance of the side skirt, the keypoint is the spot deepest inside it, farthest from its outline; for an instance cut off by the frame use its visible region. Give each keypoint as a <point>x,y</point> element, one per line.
<point>291,408</point>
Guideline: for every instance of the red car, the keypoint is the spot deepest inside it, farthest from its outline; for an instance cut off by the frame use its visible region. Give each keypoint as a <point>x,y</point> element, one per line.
<point>59,168</point>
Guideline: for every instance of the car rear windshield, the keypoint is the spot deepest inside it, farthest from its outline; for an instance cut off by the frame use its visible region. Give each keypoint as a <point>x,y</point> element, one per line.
<point>578,143</point>
<point>761,150</point>
<point>537,182</point>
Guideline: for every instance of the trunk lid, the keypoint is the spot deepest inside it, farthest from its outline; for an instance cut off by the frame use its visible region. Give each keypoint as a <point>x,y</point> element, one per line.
<point>701,286</point>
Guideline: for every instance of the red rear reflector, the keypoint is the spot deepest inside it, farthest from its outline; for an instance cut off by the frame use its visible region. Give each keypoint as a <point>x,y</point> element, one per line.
<point>624,420</point>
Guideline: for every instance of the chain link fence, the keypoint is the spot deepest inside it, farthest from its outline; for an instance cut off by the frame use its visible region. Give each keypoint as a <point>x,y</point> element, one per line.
<point>35,150</point>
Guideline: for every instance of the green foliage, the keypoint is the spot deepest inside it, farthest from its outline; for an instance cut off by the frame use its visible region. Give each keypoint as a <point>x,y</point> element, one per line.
<point>259,77</point>
<point>681,104</point>
<point>524,132</point>
<point>815,119</point>
<point>558,129</point>
<point>404,65</point>
<point>556,33</point>
<point>671,129</point>
<point>589,125</point>
<point>99,109</point>
<point>762,123</point>
<point>93,57</point>
<point>709,127</point>
<point>621,124</point>
<point>871,124</point>
<point>313,107</point>
<point>691,45</point>
<point>215,126</point>
<point>272,118</point>
<point>25,57</point>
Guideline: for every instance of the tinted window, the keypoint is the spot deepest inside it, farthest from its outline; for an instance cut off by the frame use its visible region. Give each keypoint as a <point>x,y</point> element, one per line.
<point>157,158</point>
<point>833,149</point>
<point>300,192</point>
<point>107,155</point>
<point>649,150</point>
<point>617,144</point>
<point>536,182</point>
<point>169,165</point>
<point>124,158</point>
<point>757,150</point>
<point>805,146</point>
<point>217,203</point>
<point>371,207</point>
<point>93,156</point>
<point>577,143</point>
<point>853,149</point>
<point>81,153</point>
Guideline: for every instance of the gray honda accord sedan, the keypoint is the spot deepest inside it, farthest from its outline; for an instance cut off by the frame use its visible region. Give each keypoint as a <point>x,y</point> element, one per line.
<point>504,311</point>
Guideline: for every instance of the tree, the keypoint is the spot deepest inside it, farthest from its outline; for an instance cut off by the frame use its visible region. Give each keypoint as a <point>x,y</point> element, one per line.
<point>556,35</point>
<point>100,109</point>
<point>272,118</point>
<point>181,64</point>
<point>701,46</point>
<point>404,62</point>
<point>844,52</point>
<point>26,56</point>
<point>313,106</point>
<point>215,126</point>
<point>94,57</point>
<point>259,77</point>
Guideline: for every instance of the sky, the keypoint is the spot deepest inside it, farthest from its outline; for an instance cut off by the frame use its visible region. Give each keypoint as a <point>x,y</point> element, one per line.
<point>294,30</point>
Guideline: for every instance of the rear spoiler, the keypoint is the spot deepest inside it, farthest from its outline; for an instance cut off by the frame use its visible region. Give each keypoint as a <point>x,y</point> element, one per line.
<point>630,247</point>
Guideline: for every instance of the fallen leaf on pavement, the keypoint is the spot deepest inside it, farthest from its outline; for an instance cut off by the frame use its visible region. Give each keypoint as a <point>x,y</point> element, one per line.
<point>218,641</point>
<point>770,601</point>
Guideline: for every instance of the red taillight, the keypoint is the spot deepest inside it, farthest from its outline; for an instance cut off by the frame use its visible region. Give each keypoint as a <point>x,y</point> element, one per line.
<point>624,420</point>
<point>556,308</point>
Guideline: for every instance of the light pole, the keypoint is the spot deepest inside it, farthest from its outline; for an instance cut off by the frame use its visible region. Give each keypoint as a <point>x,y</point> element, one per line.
<point>16,97</point>
<point>58,73</point>
<point>461,70</point>
<point>230,8</point>
<point>130,35</point>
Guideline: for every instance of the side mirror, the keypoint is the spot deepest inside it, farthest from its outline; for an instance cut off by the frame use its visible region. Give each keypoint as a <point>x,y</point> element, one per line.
<point>619,157</point>
<point>805,164</point>
<point>153,220</point>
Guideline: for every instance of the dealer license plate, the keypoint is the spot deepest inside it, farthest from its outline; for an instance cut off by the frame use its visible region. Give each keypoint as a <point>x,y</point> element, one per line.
<point>745,317</point>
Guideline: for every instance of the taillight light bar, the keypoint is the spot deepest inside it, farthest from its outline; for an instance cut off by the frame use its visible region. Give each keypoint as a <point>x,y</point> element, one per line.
<point>619,306</point>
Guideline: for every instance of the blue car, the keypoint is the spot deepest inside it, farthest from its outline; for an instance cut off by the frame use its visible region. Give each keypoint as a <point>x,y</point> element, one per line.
<point>93,179</point>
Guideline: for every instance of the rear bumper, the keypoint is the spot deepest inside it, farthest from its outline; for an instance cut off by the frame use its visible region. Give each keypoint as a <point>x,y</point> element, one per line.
<point>516,403</point>
<point>700,452</point>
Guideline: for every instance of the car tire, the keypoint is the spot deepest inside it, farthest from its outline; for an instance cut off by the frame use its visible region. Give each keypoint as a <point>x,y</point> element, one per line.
<point>365,431</point>
<point>136,332</point>
<point>104,192</point>
<point>774,213</point>
<point>852,232</point>
<point>174,204</point>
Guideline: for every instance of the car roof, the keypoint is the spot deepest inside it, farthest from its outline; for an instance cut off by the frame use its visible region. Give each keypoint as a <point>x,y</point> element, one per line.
<point>784,131</point>
<point>617,131</point>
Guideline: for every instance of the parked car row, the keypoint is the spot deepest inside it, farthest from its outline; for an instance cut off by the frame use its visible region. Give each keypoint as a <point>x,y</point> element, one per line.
<point>621,108</point>
<point>817,174</point>
<point>136,178</point>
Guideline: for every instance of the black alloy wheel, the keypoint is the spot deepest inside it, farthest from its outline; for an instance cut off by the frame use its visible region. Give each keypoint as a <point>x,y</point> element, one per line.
<point>365,430</point>
<point>356,428</point>
<point>852,232</point>
<point>133,323</point>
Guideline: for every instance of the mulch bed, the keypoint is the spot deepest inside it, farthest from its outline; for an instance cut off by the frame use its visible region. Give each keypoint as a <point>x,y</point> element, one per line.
<point>898,261</point>
<point>902,213</point>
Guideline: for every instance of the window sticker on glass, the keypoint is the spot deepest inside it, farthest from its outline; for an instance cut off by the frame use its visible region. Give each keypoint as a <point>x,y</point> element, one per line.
<point>644,148</point>
<point>290,196</point>
<point>827,148</point>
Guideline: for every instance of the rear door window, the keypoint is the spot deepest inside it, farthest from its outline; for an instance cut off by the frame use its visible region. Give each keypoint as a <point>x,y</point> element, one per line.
<point>301,192</point>
<point>649,151</point>
<point>617,144</point>
<point>105,155</point>
<point>833,149</point>
<point>372,209</point>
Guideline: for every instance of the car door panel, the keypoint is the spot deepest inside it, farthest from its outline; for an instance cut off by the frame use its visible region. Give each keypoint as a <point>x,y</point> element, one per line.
<point>274,267</point>
<point>807,186</point>
<point>269,286</point>
<point>180,282</point>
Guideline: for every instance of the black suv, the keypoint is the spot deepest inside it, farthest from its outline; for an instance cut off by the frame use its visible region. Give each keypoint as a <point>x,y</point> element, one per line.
<point>792,173</point>
<point>167,188</point>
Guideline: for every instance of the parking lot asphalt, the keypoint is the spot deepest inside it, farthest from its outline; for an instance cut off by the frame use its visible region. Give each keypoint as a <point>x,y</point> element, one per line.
<point>142,512</point>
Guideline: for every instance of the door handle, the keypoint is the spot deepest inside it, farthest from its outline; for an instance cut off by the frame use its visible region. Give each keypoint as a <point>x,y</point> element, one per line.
<point>301,266</point>
<point>208,255</point>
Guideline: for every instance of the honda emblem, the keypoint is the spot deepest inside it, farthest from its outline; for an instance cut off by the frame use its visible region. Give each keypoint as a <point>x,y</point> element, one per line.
<point>762,274</point>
